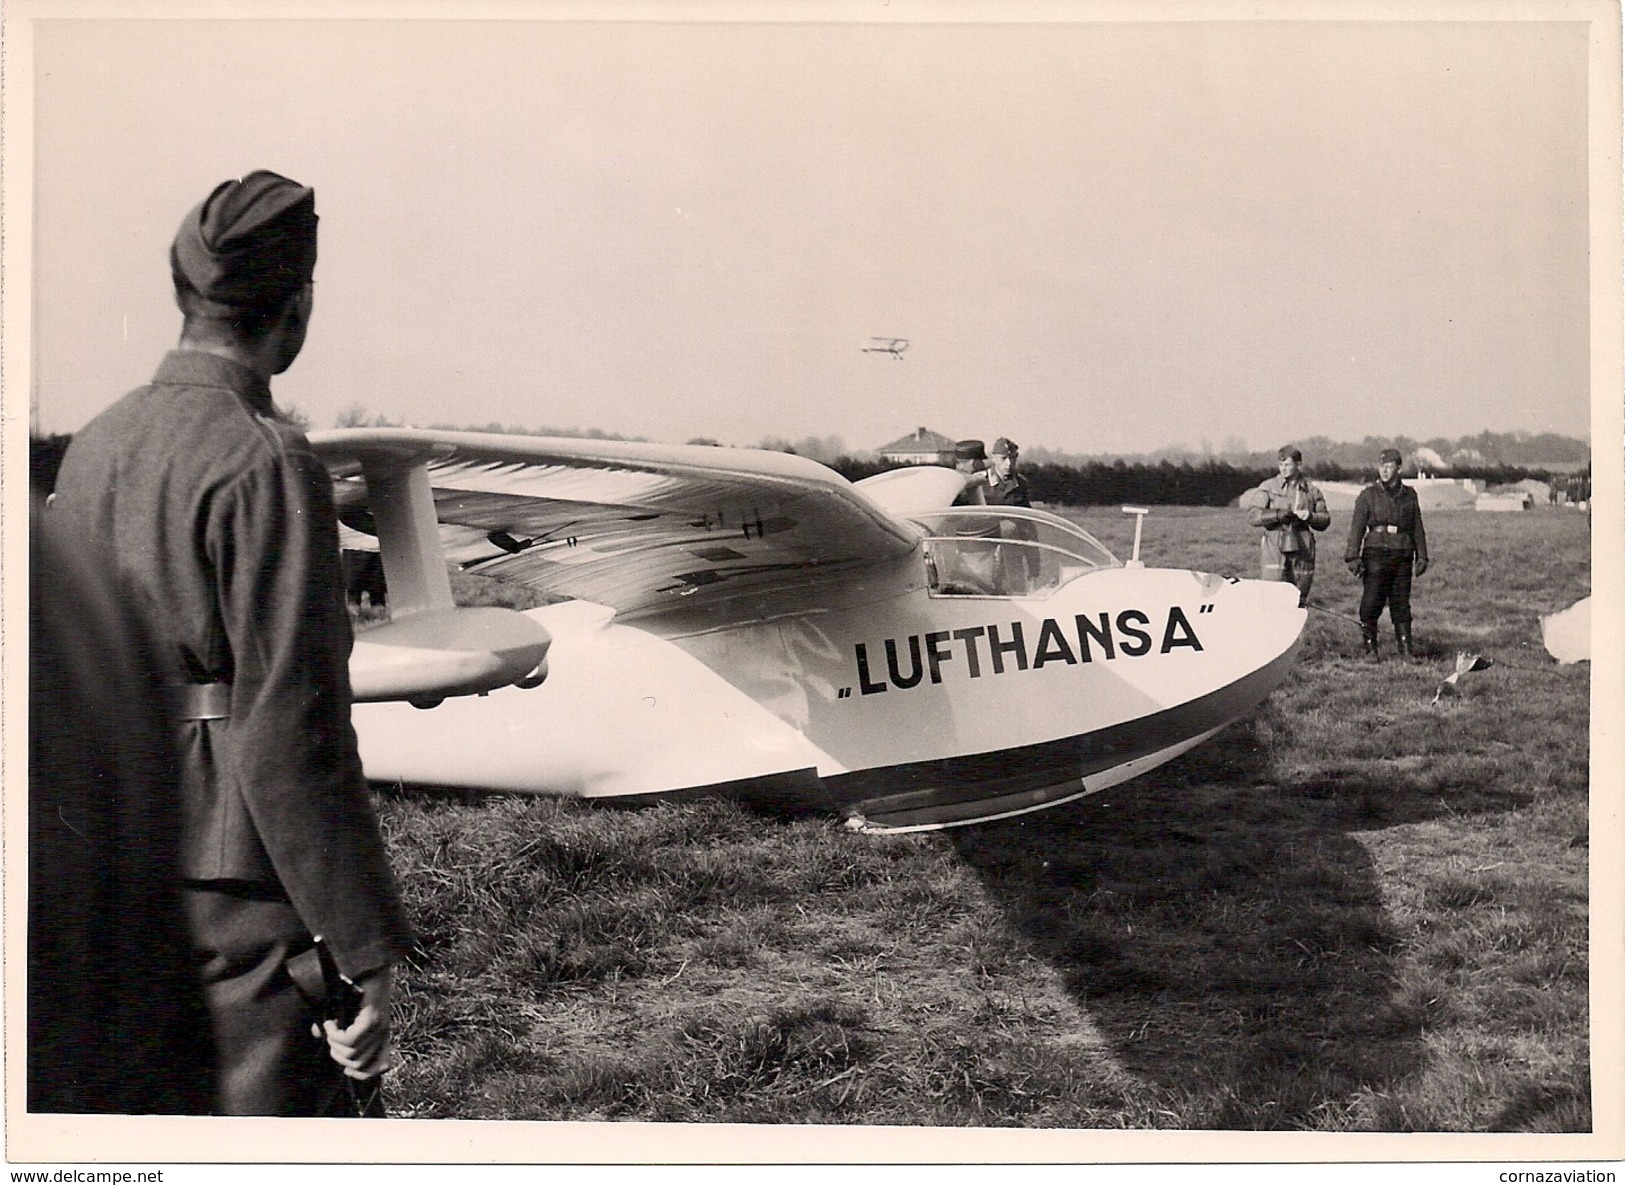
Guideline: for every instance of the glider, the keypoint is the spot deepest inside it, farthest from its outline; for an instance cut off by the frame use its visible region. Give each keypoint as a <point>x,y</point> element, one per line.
<point>751,623</point>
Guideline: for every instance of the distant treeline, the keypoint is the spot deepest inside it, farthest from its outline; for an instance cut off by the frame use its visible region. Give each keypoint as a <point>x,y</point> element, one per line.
<point>1090,483</point>
<point>1209,483</point>
<point>1099,483</point>
<point>1488,451</point>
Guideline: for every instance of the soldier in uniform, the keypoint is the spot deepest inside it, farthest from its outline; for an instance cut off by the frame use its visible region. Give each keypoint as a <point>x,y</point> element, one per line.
<point>1386,547</point>
<point>1005,487</point>
<point>218,523</point>
<point>1018,567</point>
<point>1289,509</point>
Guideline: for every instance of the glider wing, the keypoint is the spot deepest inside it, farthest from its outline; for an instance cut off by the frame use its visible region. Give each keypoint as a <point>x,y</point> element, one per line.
<point>635,526</point>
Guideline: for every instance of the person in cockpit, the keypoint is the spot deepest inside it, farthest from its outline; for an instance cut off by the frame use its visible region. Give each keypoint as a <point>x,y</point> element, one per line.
<point>1005,487</point>
<point>1016,568</point>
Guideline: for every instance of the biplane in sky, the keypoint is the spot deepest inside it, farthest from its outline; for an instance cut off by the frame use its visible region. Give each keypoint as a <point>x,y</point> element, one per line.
<point>887,345</point>
<point>751,623</point>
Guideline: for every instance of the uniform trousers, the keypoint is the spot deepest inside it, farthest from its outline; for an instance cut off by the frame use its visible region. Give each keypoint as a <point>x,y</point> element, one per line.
<point>1298,567</point>
<point>1387,582</point>
<point>268,1061</point>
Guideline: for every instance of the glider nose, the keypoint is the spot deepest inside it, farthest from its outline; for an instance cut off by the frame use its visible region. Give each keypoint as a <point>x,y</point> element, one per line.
<point>1266,610</point>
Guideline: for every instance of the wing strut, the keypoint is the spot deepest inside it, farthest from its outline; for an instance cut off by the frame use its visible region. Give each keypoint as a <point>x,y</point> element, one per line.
<point>430,648</point>
<point>402,505</point>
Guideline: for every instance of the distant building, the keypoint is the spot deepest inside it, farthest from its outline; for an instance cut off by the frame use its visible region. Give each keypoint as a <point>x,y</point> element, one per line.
<point>1434,493</point>
<point>920,447</point>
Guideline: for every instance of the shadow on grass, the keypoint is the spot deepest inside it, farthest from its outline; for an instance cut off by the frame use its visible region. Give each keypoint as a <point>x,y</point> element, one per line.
<point>1225,932</point>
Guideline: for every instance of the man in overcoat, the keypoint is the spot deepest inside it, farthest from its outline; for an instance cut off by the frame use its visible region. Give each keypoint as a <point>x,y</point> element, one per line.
<point>218,523</point>
<point>1387,546</point>
<point>1290,510</point>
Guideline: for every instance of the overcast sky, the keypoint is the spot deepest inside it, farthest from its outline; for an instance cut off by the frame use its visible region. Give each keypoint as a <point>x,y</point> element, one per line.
<point>1095,236</point>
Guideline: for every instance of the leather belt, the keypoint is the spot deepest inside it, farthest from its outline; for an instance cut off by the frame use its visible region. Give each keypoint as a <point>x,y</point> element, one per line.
<point>200,701</point>
<point>1384,528</point>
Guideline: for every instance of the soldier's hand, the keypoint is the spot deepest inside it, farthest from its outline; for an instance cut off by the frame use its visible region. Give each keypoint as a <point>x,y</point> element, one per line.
<point>1356,568</point>
<point>363,1049</point>
<point>1421,565</point>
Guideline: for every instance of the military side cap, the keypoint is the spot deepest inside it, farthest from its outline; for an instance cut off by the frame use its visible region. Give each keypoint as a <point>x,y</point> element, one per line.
<point>1005,447</point>
<point>249,245</point>
<point>1391,454</point>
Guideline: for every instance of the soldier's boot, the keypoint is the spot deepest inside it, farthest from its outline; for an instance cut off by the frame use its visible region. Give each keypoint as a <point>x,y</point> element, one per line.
<point>1402,640</point>
<point>1368,638</point>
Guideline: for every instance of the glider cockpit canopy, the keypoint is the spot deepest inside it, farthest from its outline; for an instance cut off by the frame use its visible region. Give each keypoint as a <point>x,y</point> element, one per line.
<point>1006,551</point>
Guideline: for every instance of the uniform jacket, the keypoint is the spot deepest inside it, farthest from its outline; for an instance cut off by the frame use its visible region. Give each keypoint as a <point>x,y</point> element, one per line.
<point>1380,507</point>
<point>218,521</point>
<point>1012,491</point>
<point>1020,566</point>
<point>1268,505</point>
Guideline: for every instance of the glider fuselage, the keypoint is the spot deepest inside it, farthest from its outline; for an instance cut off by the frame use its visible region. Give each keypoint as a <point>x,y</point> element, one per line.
<point>984,675</point>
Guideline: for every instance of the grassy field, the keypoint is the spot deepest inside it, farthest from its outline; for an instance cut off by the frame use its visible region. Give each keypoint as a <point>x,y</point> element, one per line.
<point>1352,911</point>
